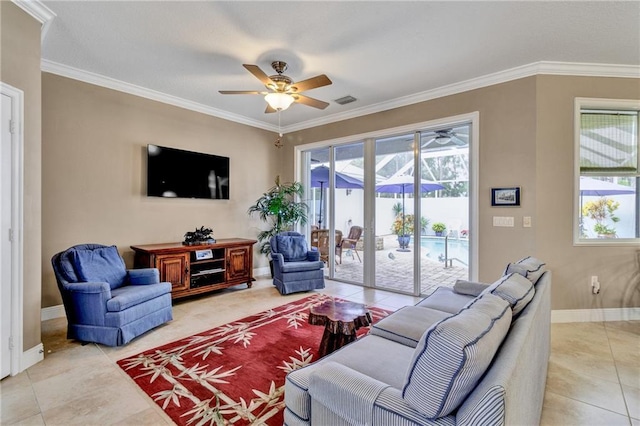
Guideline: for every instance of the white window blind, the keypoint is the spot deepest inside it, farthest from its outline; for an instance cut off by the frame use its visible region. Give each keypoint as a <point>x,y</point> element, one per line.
<point>608,141</point>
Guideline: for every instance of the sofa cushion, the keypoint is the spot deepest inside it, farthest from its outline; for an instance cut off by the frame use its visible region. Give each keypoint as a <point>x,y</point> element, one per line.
<point>131,295</point>
<point>529,267</point>
<point>515,289</point>
<point>446,300</point>
<point>292,247</point>
<point>452,356</point>
<point>408,324</point>
<point>302,266</point>
<point>102,264</point>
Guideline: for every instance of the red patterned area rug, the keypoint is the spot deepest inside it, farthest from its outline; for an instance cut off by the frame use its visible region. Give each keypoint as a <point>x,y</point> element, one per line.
<point>232,374</point>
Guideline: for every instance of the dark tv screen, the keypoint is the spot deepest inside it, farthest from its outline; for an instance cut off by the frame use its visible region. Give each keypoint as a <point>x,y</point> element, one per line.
<point>177,173</point>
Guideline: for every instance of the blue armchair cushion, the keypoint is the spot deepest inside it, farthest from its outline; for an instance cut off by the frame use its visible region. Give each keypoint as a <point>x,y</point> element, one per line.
<point>131,295</point>
<point>292,247</point>
<point>100,265</point>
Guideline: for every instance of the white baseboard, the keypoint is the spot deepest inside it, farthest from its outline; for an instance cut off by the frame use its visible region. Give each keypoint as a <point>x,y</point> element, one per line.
<point>52,312</point>
<point>32,356</point>
<point>265,270</point>
<point>595,315</point>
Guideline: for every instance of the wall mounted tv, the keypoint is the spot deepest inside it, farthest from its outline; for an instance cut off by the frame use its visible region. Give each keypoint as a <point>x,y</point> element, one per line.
<point>177,173</point>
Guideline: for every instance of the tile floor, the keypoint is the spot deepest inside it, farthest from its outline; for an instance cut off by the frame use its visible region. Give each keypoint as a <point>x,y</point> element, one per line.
<point>594,370</point>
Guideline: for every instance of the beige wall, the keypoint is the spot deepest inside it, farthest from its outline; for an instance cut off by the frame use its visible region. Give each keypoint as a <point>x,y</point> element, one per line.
<point>618,268</point>
<point>94,149</point>
<point>526,140</point>
<point>20,68</point>
<point>507,157</point>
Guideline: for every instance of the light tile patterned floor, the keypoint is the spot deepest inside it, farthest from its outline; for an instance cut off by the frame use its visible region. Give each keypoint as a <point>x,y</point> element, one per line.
<point>594,370</point>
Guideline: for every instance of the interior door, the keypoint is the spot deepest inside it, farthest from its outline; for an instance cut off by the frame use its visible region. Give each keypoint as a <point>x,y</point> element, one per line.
<point>5,242</point>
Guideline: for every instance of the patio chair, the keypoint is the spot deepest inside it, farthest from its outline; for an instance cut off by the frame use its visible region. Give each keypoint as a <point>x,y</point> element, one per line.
<point>320,240</point>
<point>350,242</point>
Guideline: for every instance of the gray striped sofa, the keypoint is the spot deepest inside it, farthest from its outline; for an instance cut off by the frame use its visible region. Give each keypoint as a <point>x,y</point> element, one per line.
<point>451,359</point>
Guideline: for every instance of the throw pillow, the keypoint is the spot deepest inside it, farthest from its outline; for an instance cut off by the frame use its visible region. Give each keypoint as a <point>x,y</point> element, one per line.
<point>100,265</point>
<point>292,247</point>
<point>453,355</point>
<point>529,267</point>
<point>515,289</point>
<point>470,288</point>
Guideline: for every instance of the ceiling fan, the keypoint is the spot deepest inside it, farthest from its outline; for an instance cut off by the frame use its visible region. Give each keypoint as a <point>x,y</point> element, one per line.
<point>446,137</point>
<point>282,91</point>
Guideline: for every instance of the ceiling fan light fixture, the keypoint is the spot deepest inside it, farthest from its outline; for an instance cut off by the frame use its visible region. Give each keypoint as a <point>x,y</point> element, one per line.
<point>279,101</point>
<point>443,140</point>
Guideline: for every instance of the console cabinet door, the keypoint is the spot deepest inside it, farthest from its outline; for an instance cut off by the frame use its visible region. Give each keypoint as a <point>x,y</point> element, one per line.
<point>174,268</point>
<point>238,265</point>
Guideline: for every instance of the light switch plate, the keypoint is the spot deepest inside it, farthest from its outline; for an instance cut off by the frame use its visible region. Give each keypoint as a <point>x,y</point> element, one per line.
<point>504,221</point>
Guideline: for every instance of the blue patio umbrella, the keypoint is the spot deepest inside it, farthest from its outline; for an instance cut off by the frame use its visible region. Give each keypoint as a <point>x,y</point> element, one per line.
<point>600,188</point>
<point>405,183</point>
<point>320,179</point>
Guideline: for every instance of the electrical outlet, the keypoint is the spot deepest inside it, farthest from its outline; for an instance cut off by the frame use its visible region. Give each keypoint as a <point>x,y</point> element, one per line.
<point>526,222</point>
<point>595,284</point>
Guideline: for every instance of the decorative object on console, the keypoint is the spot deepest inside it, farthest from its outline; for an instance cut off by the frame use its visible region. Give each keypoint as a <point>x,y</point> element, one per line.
<point>199,237</point>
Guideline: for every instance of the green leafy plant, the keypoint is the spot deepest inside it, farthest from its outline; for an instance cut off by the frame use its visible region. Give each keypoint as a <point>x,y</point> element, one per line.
<point>602,211</point>
<point>438,227</point>
<point>280,209</point>
<point>400,228</point>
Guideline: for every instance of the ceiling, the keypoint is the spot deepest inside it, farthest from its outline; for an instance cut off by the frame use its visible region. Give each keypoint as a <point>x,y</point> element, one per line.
<point>385,54</point>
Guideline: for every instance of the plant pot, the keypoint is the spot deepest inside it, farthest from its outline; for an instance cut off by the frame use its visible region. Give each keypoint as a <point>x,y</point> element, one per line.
<point>404,240</point>
<point>439,233</point>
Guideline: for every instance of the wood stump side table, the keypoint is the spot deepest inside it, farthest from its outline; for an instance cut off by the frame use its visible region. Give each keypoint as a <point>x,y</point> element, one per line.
<point>341,320</point>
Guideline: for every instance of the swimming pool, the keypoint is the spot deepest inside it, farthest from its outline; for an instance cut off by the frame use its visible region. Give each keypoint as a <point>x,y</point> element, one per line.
<point>433,248</point>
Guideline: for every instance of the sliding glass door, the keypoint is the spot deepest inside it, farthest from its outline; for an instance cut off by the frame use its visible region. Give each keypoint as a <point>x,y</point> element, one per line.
<point>394,210</point>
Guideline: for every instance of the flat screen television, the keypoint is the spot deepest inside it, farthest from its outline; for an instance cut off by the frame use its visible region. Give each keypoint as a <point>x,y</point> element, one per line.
<point>175,173</point>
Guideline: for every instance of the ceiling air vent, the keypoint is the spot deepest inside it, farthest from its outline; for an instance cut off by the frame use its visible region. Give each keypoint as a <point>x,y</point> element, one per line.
<point>345,100</point>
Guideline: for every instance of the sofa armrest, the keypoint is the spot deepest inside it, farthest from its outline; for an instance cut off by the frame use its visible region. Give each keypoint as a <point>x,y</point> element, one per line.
<point>143,276</point>
<point>88,288</point>
<point>470,288</point>
<point>89,302</point>
<point>346,392</point>
<point>313,255</point>
<point>278,261</point>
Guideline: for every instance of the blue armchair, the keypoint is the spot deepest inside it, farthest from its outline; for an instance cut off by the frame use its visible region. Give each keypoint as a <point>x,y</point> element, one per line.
<point>104,302</point>
<point>295,267</point>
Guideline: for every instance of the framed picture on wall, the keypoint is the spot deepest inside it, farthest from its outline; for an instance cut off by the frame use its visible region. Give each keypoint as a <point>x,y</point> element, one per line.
<point>505,197</point>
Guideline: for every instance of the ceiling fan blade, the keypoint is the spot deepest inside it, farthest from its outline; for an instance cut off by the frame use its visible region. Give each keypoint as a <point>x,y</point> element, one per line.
<point>310,101</point>
<point>311,83</point>
<point>269,109</point>
<point>242,92</point>
<point>259,74</point>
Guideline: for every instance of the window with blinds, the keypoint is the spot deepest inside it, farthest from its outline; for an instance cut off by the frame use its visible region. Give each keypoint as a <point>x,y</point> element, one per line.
<point>608,163</point>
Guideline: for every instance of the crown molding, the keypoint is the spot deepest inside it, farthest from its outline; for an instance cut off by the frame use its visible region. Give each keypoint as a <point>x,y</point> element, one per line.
<point>536,68</point>
<point>39,12</point>
<point>143,92</point>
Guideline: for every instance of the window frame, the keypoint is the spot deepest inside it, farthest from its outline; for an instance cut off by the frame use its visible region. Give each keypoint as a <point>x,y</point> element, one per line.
<point>599,104</point>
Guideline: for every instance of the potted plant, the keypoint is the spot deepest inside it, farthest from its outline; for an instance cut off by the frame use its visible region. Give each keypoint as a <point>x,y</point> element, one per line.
<point>439,228</point>
<point>602,210</point>
<point>403,229</point>
<point>280,209</point>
